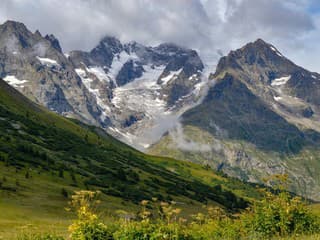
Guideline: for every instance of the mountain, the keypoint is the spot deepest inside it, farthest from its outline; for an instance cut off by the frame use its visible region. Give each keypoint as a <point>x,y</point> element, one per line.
<point>137,85</point>
<point>36,66</point>
<point>124,88</point>
<point>261,117</point>
<point>44,157</point>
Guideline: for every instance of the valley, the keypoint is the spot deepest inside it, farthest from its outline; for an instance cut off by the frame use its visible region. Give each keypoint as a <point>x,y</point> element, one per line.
<point>46,157</point>
<point>172,145</point>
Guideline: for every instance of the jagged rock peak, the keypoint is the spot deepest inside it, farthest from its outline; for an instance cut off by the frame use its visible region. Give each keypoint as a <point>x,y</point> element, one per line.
<point>134,46</point>
<point>13,25</point>
<point>37,34</point>
<point>54,42</point>
<point>12,32</point>
<point>258,47</point>
<point>260,41</point>
<point>170,47</point>
<point>257,53</point>
<point>112,43</point>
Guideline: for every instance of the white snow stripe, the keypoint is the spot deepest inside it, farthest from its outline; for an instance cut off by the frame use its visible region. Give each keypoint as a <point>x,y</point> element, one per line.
<point>47,61</point>
<point>280,81</point>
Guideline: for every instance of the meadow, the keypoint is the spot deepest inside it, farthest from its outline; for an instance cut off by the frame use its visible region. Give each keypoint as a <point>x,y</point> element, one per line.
<point>277,215</point>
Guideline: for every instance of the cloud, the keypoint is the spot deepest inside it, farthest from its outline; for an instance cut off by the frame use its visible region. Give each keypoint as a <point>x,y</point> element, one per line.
<point>183,143</point>
<point>210,26</point>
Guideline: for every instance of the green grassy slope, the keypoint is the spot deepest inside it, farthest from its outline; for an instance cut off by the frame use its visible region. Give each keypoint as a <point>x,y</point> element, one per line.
<point>44,157</point>
<point>239,159</point>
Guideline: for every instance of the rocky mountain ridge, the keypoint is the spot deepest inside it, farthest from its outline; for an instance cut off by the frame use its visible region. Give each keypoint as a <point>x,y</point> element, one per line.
<point>260,118</point>
<point>36,66</point>
<point>124,88</point>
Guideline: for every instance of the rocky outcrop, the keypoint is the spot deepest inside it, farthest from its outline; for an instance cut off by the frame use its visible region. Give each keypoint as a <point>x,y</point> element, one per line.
<point>36,66</point>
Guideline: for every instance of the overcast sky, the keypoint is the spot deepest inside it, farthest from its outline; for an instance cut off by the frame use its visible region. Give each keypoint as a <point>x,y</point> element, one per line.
<point>210,26</point>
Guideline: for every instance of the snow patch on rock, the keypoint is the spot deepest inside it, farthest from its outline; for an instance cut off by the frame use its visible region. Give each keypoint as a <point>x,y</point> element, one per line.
<point>99,73</point>
<point>276,51</point>
<point>13,81</point>
<point>48,62</point>
<point>280,81</point>
<point>87,83</point>
<point>172,76</point>
<point>277,98</point>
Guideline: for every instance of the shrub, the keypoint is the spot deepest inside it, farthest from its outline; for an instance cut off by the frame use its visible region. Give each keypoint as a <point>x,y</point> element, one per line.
<point>279,214</point>
<point>90,230</point>
<point>146,230</point>
<point>87,226</point>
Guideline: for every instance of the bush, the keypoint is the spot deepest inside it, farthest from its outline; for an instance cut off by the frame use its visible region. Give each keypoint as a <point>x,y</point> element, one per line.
<point>87,225</point>
<point>156,231</point>
<point>90,230</point>
<point>280,214</point>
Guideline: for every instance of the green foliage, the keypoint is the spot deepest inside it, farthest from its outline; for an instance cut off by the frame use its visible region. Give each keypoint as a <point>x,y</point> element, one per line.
<point>87,226</point>
<point>280,214</point>
<point>276,215</point>
<point>90,231</point>
<point>155,231</point>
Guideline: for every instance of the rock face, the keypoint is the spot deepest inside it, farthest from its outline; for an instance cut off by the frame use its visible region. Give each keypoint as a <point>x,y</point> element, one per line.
<point>261,65</point>
<point>261,117</point>
<point>36,66</point>
<point>244,116</point>
<point>124,88</point>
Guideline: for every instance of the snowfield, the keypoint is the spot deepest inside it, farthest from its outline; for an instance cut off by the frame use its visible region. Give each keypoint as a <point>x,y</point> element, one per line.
<point>142,96</point>
<point>99,73</point>
<point>13,81</point>
<point>117,63</point>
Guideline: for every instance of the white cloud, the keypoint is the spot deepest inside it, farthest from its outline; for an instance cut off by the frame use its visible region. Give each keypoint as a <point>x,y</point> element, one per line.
<point>207,25</point>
